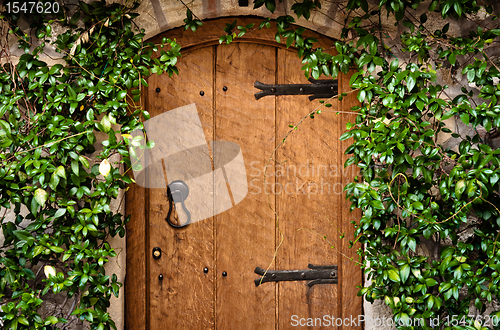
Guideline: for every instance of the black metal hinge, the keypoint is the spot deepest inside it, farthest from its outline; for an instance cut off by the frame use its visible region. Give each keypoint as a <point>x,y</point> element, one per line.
<point>318,88</point>
<point>315,275</point>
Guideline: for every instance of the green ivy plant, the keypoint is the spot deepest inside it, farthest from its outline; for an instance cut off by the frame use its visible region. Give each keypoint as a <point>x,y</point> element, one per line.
<point>430,214</point>
<point>49,118</point>
<point>413,192</point>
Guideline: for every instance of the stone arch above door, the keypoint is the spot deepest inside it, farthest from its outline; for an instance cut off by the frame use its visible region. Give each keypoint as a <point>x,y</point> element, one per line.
<point>158,16</point>
<point>210,32</point>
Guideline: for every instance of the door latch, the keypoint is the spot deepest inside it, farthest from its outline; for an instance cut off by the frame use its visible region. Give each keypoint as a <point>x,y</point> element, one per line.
<point>319,89</point>
<point>315,275</point>
<point>177,192</point>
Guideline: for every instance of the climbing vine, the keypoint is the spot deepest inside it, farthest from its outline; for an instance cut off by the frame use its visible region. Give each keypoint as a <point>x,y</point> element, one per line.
<point>430,208</point>
<point>430,222</point>
<point>50,117</point>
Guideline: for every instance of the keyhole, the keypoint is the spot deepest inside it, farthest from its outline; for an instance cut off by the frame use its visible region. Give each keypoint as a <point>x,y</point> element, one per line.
<point>179,192</point>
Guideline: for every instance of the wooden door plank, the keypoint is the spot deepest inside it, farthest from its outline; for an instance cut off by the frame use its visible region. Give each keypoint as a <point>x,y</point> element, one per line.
<point>245,233</point>
<point>184,299</point>
<point>309,204</point>
<point>351,272</point>
<point>135,281</point>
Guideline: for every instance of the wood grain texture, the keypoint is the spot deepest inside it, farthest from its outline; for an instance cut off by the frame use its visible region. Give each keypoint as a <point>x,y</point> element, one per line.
<point>135,280</point>
<point>185,297</point>
<point>245,233</point>
<point>309,203</point>
<point>351,272</point>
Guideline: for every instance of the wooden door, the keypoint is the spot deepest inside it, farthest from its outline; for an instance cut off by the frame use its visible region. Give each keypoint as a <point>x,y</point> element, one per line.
<point>292,217</point>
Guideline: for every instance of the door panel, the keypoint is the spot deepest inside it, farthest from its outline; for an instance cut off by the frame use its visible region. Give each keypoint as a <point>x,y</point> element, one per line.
<point>309,203</point>
<point>351,275</point>
<point>245,233</point>
<point>184,299</point>
<point>301,198</point>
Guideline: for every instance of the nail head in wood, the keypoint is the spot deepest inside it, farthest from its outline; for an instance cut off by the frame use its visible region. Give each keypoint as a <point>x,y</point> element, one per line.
<point>156,253</point>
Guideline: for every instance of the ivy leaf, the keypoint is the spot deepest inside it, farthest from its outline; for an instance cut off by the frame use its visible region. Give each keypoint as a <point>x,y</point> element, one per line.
<point>452,58</point>
<point>54,181</point>
<point>23,320</point>
<point>471,74</point>
<point>72,93</point>
<point>84,161</point>
<point>433,5</point>
<point>303,8</point>
<point>404,271</point>
<point>57,249</point>
<point>389,99</point>
<point>59,213</point>
<point>121,95</point>
<point>444,287</point>
<point>106,124</point>
<point>464,117</point>
<point>412,244</point>
<point>75,167</point>
<point>410,83</point>
<point>494,178</point>
<point>49,271</point>
<point>377,204</point>
<point>431,282</point>
<point>22,234</point>
<point>394,64</point>
<point>361,95</point>
<point>418,206</point>
<point>41,196</point>
<point>51,320</point>
<point>394,276</point>
<point>271,5</point>
<point>460,188</point>
<point>39,249</point>
<point>61,172</point>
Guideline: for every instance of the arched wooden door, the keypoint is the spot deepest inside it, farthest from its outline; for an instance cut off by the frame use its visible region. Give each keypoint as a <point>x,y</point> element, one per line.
<point>205,276</point>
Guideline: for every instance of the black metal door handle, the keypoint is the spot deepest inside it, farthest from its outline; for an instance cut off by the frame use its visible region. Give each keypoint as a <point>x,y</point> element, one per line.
<point>177,192</point>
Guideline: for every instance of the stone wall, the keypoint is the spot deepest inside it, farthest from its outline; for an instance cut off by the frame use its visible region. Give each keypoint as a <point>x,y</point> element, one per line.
<point>157,16</point>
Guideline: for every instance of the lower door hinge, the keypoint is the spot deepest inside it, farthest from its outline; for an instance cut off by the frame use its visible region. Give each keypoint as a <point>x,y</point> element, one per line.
<point>315,275</point>
<point>320,89</point>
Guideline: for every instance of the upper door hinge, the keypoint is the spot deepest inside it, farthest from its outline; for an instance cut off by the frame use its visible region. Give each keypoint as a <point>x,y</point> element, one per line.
<point>318,89</point>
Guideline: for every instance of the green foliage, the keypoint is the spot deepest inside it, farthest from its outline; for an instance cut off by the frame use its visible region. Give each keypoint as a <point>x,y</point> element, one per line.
<point>191,23</point>
<point>416,193</point>
<point>49,120</point>
<point>430,214</point>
